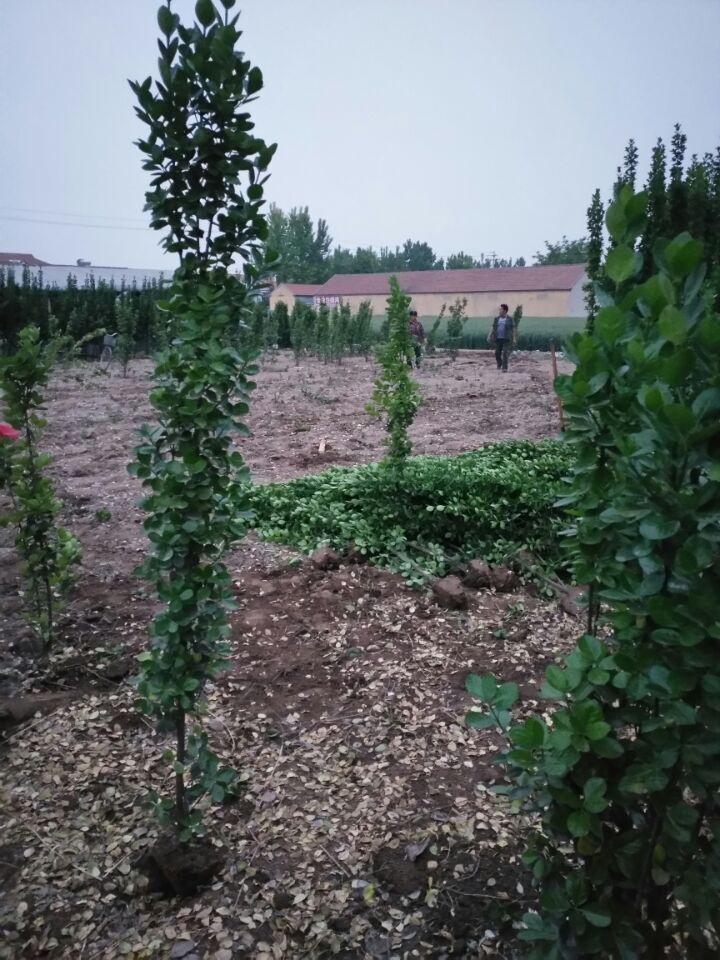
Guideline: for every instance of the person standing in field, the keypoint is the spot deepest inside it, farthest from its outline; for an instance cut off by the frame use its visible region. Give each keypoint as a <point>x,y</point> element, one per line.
<point>502,335</point>
<point>417,336</point>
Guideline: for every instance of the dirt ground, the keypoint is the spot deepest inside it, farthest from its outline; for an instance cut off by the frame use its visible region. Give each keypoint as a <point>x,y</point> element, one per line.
<point>368,827</point>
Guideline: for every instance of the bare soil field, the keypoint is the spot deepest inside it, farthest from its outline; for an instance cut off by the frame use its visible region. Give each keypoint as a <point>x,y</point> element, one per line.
<point>368,827</point>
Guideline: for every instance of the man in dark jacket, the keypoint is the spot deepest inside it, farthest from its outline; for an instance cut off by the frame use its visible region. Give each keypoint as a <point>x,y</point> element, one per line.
<point>503,336</point>
<point>417,336</point>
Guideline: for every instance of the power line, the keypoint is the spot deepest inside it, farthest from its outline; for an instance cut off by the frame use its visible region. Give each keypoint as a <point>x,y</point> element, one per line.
<point>67,223</point>
<point>83,216</point>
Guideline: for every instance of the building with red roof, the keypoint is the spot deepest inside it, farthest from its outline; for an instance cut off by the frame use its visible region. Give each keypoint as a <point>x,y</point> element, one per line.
<point>543,291</point>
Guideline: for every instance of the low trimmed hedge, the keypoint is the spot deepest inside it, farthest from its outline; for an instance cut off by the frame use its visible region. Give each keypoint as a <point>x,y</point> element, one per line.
<point>493,502</point>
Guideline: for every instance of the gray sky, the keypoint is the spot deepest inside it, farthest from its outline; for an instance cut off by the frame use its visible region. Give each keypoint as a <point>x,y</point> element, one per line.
<point>472,124</point>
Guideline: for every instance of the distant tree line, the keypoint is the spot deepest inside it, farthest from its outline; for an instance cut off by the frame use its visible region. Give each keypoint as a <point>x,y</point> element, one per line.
<point>564,251</point>
<point>683,195</point>
<point>307,255</point>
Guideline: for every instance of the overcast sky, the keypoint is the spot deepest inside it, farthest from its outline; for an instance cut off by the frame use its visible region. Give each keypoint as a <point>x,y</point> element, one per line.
<point>481,125</point>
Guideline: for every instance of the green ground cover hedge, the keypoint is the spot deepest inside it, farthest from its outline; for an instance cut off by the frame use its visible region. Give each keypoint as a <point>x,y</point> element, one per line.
<point>492,502</point>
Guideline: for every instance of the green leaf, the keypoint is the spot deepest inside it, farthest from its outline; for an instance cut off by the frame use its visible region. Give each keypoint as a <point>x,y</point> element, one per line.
<point>643,778</point>
<point>616,221</point>
<point>694,283</point>
<point>506,696</point>
<point>553,898</point>
<point>671,325</point>
<point>597,730</point>
<point>254,81</point>
<point>480,721</point>
<point>709,331</point>
<point>652,399</point>
<point>536,928</point>
<point>596,915</point>
<point>610,324</point>
<point>594,795</point>
<point>578,823</point>
<point>707,402</point>
<point>556,679</point>
<point>591,648</point>
<point>482,688</point>
<point>682,255</point>
<point>657,292</point>
<point>530,734</point>
<point>166,20</point>
<point>676,368</point>
<point>680,822</point>
<point>608,748</point>
<point>205,12</point>
<point>658,528</point>
<point>622,263</point>
<point>680,416</point>
<point>598,677</point>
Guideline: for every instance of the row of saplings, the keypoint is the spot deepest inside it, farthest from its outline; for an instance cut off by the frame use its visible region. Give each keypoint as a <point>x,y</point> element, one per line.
<point>624,775</point>
<point>330,335</point>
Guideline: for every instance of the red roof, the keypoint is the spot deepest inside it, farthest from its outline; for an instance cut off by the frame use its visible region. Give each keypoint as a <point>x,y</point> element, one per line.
<point>480,280</point>
<point>21,259</point>
<point>302,289</point>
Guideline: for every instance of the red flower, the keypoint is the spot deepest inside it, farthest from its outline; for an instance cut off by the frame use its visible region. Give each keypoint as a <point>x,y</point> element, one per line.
<point>10,433</point>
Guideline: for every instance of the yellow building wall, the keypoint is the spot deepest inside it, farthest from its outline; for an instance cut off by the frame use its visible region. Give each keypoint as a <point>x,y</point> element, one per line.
<point>546,303</point>
<point>282,292</point>
<point>535,303</point>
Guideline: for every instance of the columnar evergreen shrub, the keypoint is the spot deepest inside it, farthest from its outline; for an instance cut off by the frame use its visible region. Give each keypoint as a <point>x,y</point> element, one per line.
<point>322,333</point>
<point>126,327</point>
<point>595,221</point>
<point>362,335</point>
<point>345,326</point>
<point>625,773</point>
<point>282,323</point>
<point>297,330</point>
<point>455,324</point>
<point>517,317</point>
<point>254,324</point>
<point>433,334</point>
<point>49,553</point>
<point>340,329</point>
<point>270,330</point>
<point>395,395</point>
<point>208,168</point>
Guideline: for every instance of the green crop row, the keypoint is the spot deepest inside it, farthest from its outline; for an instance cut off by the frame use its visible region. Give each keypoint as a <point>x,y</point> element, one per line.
<point>535,333</point>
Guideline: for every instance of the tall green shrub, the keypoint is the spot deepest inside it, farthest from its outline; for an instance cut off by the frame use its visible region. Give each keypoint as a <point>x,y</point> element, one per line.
<point>345,326</point>
<point>282,323</point>
<point>126,326</point>
<point>595,220</point>
<point>336,335</point>
<point>433,334</point>
<point>362,337</point>
<point>208,168</point>
<point>297,330</point>
<point>322,333</point>
<point>270,331</point>
<point>625,774</point>
<point>455,324</point>
<point>395,395</point>
<point>49,553</point>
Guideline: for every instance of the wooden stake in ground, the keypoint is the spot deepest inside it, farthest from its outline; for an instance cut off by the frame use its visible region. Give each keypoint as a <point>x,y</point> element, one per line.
<point>555,373</point>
